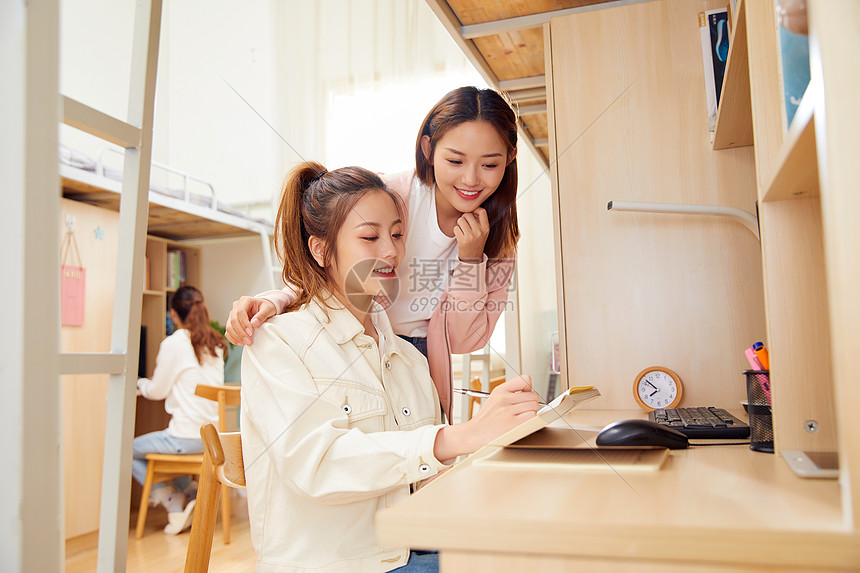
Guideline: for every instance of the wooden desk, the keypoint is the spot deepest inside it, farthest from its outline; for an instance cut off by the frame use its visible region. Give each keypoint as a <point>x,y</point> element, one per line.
<point>723,508</point>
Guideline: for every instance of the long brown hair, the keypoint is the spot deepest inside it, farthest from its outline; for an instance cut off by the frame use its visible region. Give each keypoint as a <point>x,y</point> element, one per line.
<point>315,203</point>
<point>189,306</point>
<point>472,104</point>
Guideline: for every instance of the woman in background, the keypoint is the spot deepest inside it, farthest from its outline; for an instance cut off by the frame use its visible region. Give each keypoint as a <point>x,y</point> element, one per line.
<point>192,355</point>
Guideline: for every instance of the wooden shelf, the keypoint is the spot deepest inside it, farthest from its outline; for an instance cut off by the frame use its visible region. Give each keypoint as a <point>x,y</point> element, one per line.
<point>796,173</point>
<point>155,299</point>
<point>734,116</point>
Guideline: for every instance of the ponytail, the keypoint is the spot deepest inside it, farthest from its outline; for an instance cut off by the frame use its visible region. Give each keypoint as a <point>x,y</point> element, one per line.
<point>291,235</point>
<point>189,306</point>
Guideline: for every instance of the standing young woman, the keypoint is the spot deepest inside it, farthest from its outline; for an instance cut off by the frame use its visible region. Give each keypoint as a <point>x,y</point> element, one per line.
<point>461,240</point>
<point>340,417</point>
<point>192,355</point>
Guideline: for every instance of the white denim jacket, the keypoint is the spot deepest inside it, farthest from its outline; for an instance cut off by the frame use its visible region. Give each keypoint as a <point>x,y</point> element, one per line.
<point>333,430</point>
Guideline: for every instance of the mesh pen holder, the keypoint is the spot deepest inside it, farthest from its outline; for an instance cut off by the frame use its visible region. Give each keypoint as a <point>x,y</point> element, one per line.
<point>761,418</point>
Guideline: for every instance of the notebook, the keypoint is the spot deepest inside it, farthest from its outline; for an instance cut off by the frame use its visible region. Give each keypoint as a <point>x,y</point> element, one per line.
<point>561,405</point>
<point>534,445</point>
<point>564,403</point>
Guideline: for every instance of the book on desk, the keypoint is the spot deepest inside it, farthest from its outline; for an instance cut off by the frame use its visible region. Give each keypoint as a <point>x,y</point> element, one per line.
<point>536,444</point>
<point>561,405</point>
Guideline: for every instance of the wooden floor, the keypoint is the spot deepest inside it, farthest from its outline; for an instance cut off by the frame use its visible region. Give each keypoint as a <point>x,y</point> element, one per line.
<point>160,553</point>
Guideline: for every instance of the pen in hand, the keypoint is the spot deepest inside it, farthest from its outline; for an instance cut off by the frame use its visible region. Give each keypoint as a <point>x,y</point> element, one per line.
<point>479,394</point>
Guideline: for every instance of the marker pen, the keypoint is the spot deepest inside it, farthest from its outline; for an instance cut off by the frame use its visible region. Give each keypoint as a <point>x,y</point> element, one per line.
<point>762,354</point>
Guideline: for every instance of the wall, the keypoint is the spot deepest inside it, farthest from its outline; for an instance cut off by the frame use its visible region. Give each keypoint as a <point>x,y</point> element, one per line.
<point>84,395</point>
<point>201,125</point>
<point>230,269</point>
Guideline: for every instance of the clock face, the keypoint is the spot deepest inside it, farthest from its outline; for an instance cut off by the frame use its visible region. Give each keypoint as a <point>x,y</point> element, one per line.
<point>657,388</point>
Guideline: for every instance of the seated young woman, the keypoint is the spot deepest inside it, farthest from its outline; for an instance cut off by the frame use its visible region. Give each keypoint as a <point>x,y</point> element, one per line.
<point>193,354</point>
<point>340,417</point>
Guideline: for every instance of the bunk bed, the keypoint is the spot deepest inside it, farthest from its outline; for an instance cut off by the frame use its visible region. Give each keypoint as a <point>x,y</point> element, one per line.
<point>190,211</point>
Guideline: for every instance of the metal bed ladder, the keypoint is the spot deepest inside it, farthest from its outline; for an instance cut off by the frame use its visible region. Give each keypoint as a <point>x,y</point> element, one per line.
<point>135,136</point>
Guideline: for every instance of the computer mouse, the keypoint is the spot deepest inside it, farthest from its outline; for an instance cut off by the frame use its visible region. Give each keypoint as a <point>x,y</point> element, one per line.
<point>641,433</point>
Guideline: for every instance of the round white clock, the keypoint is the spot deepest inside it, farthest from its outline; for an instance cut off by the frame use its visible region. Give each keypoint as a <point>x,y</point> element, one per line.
<point>657,387</point>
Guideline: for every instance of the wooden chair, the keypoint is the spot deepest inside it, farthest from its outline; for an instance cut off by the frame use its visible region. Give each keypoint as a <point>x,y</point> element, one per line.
<point>162,467</point>
<point>223,467</point>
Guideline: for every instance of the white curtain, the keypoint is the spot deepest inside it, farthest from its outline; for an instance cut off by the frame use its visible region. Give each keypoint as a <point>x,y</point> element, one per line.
<point>356,77</point>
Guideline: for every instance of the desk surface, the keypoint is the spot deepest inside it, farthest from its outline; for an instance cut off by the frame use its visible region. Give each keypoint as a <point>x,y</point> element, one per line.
<point>723,504</point>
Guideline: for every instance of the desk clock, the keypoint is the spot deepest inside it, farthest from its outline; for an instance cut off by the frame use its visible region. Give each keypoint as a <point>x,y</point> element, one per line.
<point>657,387</point>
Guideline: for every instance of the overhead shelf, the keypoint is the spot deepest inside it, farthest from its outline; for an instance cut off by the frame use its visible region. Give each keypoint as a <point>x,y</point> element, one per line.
<point>734,115</point>
<point>796,173</point>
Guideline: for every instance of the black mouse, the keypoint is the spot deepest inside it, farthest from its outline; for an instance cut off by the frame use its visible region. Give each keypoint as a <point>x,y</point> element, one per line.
<point>641,433</point>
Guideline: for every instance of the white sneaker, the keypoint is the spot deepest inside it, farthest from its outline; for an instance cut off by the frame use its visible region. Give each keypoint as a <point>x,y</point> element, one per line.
<point>172,500</point>
<point>179,521</point>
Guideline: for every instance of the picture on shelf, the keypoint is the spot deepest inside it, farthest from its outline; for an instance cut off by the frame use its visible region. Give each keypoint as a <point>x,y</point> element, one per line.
<point>794,50</point>
<point>714,31</point>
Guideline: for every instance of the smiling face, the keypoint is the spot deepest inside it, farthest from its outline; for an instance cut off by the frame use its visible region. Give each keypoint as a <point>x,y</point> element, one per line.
<point>370,245</point>
<point>468,163</point>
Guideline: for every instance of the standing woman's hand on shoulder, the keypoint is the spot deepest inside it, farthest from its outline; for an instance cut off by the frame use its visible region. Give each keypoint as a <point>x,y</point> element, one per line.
<point>471,232</point>
<point>240,328</point>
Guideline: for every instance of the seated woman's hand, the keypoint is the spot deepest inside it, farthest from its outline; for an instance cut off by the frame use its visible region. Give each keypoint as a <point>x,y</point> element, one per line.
<point>240,328</point>
<point>509,405</point>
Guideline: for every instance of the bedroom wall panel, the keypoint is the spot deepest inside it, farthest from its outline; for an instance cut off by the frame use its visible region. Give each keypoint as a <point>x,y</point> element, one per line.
<point>84,395</point>
<point>649,289</point>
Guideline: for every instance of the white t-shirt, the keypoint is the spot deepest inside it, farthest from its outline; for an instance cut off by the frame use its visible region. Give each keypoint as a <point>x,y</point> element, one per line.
<point>426,267</point>
<point>177,374</point>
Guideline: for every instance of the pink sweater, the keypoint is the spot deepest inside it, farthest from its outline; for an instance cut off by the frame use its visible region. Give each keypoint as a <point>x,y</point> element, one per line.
<point>467,311</point>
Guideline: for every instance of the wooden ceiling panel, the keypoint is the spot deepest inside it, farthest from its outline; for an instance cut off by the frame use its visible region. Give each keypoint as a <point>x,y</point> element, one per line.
<point>544,152</point>
<point>536,125</point>
<point>516,53</point>
<point>513,55</point>
<point>480,11</point>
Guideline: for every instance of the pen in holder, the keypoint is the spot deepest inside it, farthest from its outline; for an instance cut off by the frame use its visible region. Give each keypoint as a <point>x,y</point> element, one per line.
<point>761,419</point>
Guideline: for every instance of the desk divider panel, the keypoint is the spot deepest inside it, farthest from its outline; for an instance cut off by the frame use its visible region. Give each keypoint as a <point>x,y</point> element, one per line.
<point>681,291</point>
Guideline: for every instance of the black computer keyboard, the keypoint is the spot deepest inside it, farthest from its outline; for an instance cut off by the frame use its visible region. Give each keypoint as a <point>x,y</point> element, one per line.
<point>708,422</point>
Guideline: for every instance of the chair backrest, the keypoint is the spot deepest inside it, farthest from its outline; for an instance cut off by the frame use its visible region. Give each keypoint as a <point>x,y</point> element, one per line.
<point>222,464</point>
<point>224,395</point>
<point>225,451</point>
